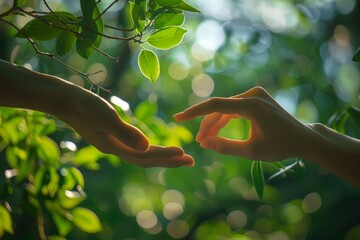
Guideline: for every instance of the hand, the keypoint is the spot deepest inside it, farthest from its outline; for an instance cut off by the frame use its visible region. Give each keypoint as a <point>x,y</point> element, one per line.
<point>274,133</point>
<point>99,124</point>
<point>91,116</point>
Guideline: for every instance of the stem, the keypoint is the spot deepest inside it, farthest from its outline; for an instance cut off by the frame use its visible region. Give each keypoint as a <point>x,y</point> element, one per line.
<point>11,10</point>
<point>40,224</point>
<point>105,10</point>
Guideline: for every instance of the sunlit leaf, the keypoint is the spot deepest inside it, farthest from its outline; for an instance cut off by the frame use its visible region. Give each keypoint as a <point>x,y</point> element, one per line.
<point>186,7</point>
<point>70,199</point>
<point>149,65</point>
<point>5,220</point>
<point>87,155</point>
<point>356,57</point>
<point>169,2</point>
<point>77,175</point>
<point>48,150</point>
<point>138,15</point>
<point>86,220</point>
<point>38,179</point>
<point>63,225</point>
<point>166,38</point>
<point>168,19</point>
<point>257,176</point>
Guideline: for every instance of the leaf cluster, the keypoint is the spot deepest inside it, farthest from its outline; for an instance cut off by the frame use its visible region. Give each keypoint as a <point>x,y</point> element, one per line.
<point>47,176</point>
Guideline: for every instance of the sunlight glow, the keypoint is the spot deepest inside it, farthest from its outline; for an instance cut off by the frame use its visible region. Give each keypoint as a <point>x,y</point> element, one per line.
<point>69,145</point>
<point>120,103</point>
<point>274,19</point>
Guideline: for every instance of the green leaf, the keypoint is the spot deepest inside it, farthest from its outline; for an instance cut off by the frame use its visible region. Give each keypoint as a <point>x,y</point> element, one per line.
<point>5,220</point>
<point>354,113</point>
<point>168,19</point>
<point>48,150</point>
<point>145,110</point>
<point>86,220</point>
<point>77,175</point>
<point>166,38</point>
<point>90,36</point>
<point>356,57</point>
<point>38,179</point>
<point>70,199</point>
<point>138,16</point>
<point>87,155</point>
<point>169,3</point>
<point>257,176</point>
<point>62,224</point>
<point>65,42</point>
<point>46,27</point>
<point>149,65</point>
<point>186,7</point>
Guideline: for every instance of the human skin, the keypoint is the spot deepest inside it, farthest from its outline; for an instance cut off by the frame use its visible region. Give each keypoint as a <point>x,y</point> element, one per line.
<point>88,114</point>
<point>275,134</point>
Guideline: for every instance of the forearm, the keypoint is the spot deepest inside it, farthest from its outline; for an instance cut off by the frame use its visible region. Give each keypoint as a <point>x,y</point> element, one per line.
<point>335,152</point>
<point>23,88</point>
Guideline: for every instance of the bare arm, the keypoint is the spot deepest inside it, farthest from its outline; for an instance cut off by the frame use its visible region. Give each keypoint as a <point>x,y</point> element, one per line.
<point>90,115</point>
<point>275,134</point>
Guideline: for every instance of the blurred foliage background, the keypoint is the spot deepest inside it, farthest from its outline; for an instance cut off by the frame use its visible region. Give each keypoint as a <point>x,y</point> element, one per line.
<point>299,50</point>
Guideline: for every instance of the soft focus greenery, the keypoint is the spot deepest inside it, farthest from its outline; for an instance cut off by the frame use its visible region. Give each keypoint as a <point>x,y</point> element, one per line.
<point>300,51</point>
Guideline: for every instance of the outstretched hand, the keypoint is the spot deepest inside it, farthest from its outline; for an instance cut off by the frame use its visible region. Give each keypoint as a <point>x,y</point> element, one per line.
<point>99,124</point>
<point>88,114</point>
<point>274,133</point>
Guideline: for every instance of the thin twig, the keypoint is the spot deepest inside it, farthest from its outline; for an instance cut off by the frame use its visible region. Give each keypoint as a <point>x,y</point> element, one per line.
<point>40,224</point>
<point>57,17</point>
<point>119,29</point>
<point>105,10</point>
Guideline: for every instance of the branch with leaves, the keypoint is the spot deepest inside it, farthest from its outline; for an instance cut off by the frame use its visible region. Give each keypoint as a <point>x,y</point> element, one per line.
<point>155,22</point>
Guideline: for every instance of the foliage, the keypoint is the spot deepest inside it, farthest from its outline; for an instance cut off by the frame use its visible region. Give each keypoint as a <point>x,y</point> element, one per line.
<point>155,22</point>
<point>304,62</point>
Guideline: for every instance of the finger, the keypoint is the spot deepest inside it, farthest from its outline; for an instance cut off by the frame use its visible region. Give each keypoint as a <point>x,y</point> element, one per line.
<point>227,146</point>
<point>257,92</point>
<point>161,161</point>
<point>218,105</point>
<point>130,135</point>
<point>207,124</point>
<point>214,128</point>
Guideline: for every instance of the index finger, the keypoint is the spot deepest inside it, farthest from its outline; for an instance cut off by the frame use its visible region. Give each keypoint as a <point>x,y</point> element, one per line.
<point>216,105</point>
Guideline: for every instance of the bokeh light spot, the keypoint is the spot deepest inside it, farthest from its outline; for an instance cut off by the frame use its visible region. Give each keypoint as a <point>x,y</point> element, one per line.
<point>202,85</point>
<point>178,229</point>
<point>237,219</point>
<point>146,219</point>
<point>311,202</point>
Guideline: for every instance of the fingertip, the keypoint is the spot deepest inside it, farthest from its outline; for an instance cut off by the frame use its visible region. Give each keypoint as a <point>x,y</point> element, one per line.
<point>207,143</point>
<point>142,145</point>
<point>178,116</point>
